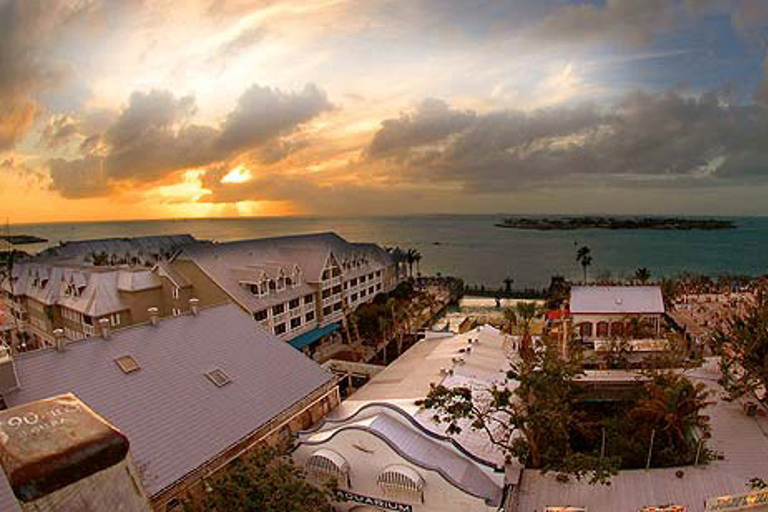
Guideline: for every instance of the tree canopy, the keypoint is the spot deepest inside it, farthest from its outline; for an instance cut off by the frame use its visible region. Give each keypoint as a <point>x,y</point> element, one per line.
<point>264,480</point>
<point>743,347</point>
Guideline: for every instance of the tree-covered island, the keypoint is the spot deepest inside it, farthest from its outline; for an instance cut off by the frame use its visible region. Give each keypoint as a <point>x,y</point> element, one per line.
<point>589,222</point>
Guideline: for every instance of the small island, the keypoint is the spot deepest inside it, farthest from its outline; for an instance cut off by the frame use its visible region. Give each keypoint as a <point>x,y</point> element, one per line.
<point>22,239</point>
<point>570,223</point>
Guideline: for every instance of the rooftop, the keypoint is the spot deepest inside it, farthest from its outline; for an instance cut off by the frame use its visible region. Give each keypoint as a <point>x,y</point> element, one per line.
<point>232,264</point>
<point>616,299</point>
<point>175,416</point>
<point>743,440</point>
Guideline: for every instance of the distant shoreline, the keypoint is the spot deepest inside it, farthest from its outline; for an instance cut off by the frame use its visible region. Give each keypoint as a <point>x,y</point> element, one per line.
<point>571,223</point>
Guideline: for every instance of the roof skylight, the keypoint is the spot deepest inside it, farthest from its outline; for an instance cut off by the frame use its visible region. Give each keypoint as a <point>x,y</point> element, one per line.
<point>218,377</point>
<point>128,364</point>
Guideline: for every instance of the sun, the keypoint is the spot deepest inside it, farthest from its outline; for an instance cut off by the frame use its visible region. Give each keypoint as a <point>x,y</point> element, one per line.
<point>239,174</point>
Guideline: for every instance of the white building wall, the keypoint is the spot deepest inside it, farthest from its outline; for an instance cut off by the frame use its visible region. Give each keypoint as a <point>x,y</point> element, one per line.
<point>368,456</point>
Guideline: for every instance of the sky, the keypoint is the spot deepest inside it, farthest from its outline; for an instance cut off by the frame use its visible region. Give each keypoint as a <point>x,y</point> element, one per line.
<point>138,109</point>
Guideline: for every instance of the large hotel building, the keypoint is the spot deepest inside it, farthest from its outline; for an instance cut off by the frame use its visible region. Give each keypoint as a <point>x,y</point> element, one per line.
<point>299,287</point>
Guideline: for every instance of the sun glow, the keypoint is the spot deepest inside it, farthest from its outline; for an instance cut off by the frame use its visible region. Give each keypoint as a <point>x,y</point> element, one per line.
<point>239,174</point>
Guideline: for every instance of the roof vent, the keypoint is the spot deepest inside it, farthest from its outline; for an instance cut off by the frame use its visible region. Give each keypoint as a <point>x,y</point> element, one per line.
<point>619,300</point>
<point>194,305</point>
<point>104,325</point>
<point>154,315</point>
<point>58,336</point>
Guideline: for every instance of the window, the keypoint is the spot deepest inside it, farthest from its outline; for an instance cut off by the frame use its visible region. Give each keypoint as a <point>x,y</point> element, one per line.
<point>326,274</point>
<point>295,322</point>
<point>309,299</point>
<point>293,304</point>
<point>115,319</point>
<point>310,316</point>
<point>260,316</point>
<point>278,309</point>
<point>378,287</point>
<point>337,306</point>
<point>272,285</point>
<point>127,364</point>
<point>337,289</point>
<point>362,279</point>
<point>354,297</point>
<point>280,329</point>
<point>218,377</point>
<point>363,293</point>
<point>401,483</point>
<point>326,293</point>
<point>175,292</point>
<point>325,465</point>
<point>336,272</point>
<point>176,311</point>
<point>254,289</point>
<point>353,282</point>
<point>87,320</point>
<point>327,310</point>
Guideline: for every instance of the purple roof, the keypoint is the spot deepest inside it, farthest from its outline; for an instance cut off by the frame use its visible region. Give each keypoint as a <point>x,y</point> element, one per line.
<point>174,416</point>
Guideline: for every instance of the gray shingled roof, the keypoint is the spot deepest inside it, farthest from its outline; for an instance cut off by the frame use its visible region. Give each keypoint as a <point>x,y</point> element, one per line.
<point>175,418</point>
<point>233,263</point>
<point>616,299</point>
<point>145,248</point>
<point>99,287</point>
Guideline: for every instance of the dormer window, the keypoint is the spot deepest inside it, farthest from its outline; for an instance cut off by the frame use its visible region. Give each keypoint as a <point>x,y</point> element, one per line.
<point>272,285</point>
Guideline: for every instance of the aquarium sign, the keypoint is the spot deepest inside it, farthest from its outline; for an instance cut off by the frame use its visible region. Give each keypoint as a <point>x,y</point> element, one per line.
<point>738,502</point>
<point>342,495</point>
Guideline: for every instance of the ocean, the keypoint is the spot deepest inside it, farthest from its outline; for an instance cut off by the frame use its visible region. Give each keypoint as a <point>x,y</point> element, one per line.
<point>472,248</point>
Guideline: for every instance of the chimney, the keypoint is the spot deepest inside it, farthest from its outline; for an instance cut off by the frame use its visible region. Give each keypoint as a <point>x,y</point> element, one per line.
<point>154,315</point>
<point>60,456</point>
<point>58,336</point>
<point>104,326</point>
<point>9,380</point>
<point>194,306</point>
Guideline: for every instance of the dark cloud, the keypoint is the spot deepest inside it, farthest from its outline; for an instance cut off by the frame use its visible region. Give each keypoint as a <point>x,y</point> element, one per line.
<point>59,130</point>
<point>263,113</point>
<point>631,21</point>
<point>75,179</point>
<point>154,137</point>
<point>22,70</point>
<point>432,121</point>
<point>645,139</point>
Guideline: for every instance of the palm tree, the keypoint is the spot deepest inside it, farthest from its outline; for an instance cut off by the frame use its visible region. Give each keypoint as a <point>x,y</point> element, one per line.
<point>510,319</point>
<point>642,274</point>
<point>527,311</point>
<point>417,259</point>
<point>674,406</point>
<point>508,285</point>
<point>410,259</point>
<point>584,257</point>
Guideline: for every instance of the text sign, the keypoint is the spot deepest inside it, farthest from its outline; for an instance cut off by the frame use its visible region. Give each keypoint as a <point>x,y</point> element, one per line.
<point>738,502</point>
<point>374,502</point>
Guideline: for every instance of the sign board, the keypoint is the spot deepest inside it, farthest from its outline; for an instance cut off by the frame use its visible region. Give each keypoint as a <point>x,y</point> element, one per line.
<point>745,501</point>
<point>343,495</point>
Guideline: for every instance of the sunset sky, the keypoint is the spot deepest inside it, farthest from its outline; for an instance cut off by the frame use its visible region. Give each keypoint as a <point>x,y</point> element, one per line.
<point>119,109</point>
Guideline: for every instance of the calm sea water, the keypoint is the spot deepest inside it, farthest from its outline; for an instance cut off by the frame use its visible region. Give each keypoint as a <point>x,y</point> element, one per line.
<point>471,247</point>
